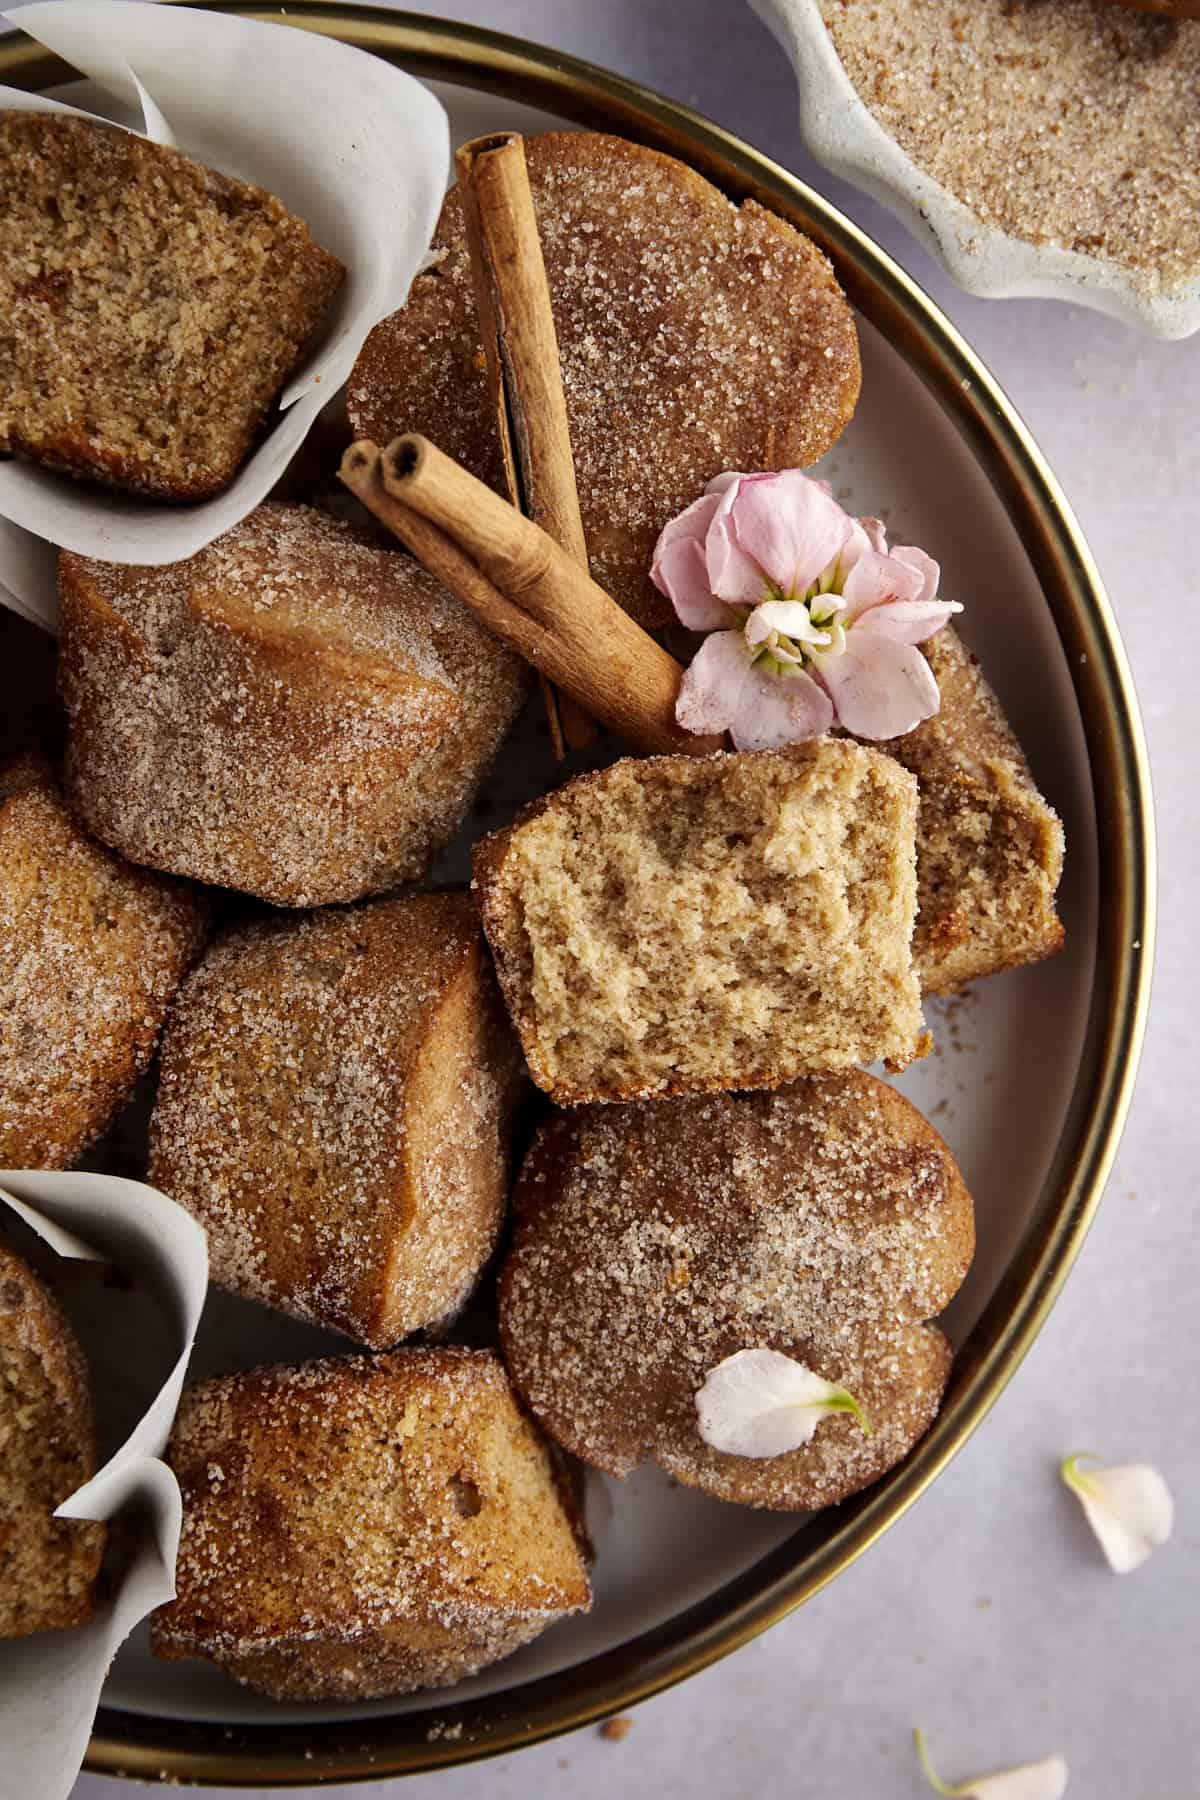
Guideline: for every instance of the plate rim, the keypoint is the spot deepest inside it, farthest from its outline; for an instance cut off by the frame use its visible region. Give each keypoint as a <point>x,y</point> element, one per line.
<point>144,1747</point>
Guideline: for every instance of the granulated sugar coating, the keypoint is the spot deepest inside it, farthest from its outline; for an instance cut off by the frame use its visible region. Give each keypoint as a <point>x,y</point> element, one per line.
<point>361,1527</point>
<point>91,953</point>
<point>694,336</point>
<point>335,1108</point>
<point>827,1221</point>
<point>293,712</point>
<point>1067,122</point>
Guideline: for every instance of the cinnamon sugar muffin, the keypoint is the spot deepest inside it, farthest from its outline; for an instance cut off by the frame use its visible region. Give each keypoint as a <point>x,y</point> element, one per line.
<point>674,923</point>
<point>150,308</point>
<point>293,712</point>
<point>48,1566</point>
<point>335,1106</point>
<point>694,336</point>
<point>827,1221</point>
<point>362,1527</point>
<point>989,848</point>
<point>91,952</point>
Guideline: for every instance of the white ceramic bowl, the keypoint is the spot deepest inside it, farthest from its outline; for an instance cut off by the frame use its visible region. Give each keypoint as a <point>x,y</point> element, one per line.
<point>842,133</point>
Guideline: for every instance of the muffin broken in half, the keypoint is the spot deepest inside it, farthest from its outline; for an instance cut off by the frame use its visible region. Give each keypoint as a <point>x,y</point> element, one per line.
<point>678,923</point>
<point>989,848</point>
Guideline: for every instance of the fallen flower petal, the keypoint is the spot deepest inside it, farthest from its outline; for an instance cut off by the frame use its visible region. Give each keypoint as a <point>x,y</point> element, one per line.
<point>1045,1780</point>
<point>1128,1507</point>
<point>761,1403</point>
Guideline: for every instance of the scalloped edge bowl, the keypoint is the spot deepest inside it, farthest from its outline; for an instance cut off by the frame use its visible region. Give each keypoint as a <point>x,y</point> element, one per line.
<point>846,138</point>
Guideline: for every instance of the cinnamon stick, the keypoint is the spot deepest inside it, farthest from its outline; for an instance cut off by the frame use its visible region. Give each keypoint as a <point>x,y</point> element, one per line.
<point>439,554</point>
<point>524,374</point>
<point>526,589</point>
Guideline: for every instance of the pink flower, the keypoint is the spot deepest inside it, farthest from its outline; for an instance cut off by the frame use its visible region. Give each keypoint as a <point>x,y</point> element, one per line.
<point>812,620</point>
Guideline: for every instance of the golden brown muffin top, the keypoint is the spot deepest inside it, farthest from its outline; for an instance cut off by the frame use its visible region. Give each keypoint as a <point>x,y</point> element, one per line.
<point>694,336</point>
<point>91,951</point>
<point>343,1497</point>
<point>827,1221</point>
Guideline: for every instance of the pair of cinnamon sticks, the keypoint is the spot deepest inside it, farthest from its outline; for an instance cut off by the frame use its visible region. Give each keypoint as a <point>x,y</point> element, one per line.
<point>522,567</point>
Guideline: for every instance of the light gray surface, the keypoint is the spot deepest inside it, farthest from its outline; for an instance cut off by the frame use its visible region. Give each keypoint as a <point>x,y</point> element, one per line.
<point>986,1615</point>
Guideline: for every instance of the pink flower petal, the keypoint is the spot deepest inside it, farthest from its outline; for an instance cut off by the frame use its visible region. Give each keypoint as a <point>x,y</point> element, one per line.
<point>875,580</point>
<point>710,691</point>
<point>908,621</point>
<point>932,574</point>
<point>858,543</point>
<point>678,569</point>
<point>680,572</point>
<point>790,529</point>
<point>732,575</point>
<point>876,535</point>
<point>779,709</point>
<point>726,479</point>
<point>879,689</point>
<point>692,522</point>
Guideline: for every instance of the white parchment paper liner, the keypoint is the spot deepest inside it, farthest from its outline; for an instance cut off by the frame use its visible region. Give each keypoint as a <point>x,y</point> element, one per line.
<point>359,150</point>
<point>50,1683</point>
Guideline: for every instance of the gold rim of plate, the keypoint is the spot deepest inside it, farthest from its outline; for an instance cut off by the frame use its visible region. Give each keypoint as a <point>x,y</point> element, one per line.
<point>301,1754</point>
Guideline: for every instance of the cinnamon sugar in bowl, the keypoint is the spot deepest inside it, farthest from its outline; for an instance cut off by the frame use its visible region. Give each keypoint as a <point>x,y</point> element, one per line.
<point>1038,147</point>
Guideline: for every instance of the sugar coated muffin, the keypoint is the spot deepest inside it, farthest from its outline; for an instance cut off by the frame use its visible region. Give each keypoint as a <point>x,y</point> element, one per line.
<point>694,336</point>
<point>293,712</point>
<point>361,1527</point>
<point>827,1221</point>
<point>91,952</point>
<point>48,1566</point>
<point>150,308</point>
<point>989,848</point>
<point>677,923</point>
<point>335,1106</point>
